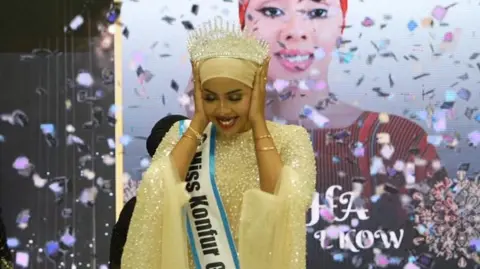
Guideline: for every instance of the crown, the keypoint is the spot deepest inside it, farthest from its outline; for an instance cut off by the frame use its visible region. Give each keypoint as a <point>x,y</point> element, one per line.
<point>216,39</point>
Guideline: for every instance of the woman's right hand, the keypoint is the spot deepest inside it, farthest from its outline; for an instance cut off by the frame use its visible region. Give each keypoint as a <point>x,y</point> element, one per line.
<point>199,119</point>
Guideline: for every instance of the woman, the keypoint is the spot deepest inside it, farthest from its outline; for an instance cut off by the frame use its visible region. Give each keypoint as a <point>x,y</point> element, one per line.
<point>352,145</point>
<point>228,180</point>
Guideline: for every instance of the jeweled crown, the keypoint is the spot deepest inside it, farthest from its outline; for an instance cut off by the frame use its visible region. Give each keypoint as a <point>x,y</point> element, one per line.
<point>217,38</point>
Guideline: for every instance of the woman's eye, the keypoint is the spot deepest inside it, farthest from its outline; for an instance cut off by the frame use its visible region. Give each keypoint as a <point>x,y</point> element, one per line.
<point>271,12</point>
<point>209,98</point>
<point>318,13</point>
<point>235,98</point>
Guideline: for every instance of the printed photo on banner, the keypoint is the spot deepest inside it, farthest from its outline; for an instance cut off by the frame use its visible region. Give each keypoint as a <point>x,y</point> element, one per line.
<point>388,92</point>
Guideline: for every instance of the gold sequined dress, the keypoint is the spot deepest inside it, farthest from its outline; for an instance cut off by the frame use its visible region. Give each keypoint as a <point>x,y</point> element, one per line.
<point>269,229</point>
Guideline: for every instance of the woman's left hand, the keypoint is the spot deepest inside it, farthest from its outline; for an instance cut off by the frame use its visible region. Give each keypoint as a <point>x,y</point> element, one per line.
<point>257,103</point>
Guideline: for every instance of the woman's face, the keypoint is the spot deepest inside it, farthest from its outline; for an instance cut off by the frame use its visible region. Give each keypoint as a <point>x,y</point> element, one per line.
<point>226,103</point>
<point>302,35</point>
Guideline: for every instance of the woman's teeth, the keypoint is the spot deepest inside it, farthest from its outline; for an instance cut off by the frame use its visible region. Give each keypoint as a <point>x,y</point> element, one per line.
<point>227,122</point>
<point>295,58</point>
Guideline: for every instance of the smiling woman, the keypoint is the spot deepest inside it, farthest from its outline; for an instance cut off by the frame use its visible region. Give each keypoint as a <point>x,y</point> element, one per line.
<point>237,186</point>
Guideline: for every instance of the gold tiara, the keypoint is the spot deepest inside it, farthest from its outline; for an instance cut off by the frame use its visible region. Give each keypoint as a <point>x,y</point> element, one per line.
<point>215,39</point>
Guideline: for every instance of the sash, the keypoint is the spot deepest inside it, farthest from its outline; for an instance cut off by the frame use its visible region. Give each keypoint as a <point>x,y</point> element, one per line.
<point>207,224</point>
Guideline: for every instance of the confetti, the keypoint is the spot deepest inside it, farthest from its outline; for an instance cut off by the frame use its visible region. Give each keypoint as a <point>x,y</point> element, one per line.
<point>464,94</point>
<point>13,242</point>
<point>188,25</point>
<point>412,25</point>
<point>22,259</point>
<point>383,118</point>
<point>439,13</point>
<point>319,53</point>
<point>312,114</point>
<point>76,22</point>
<point>38,181</point>
<point>23,219</point>
<point>61,133</point>
<point>448,37</point>
<point>367,22</point>
<point>84,79</point>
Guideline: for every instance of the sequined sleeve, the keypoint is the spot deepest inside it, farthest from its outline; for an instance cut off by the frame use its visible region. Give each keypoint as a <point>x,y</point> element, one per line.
<point>296,186</point>
<point>156,237</point>
<point>272,227</point>
<point>297,154</point>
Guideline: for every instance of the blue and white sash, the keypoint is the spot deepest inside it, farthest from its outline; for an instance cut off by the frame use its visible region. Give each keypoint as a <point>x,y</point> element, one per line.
<point>207,224</point>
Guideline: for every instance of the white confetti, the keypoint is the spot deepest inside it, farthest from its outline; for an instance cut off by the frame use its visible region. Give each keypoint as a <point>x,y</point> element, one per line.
<point>84,79</point>
<point>38,181</point>
<point>76,22</point>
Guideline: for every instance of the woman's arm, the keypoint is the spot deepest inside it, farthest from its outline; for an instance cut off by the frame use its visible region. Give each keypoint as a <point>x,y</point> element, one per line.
<point>184,150</point>
<point>268,159</point>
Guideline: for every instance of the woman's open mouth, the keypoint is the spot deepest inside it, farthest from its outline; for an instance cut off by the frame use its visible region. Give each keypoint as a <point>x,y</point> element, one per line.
<point>295,60</point>
<point>226,122</point>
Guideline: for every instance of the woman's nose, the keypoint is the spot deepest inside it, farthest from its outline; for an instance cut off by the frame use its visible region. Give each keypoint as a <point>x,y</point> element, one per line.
<point>294,30</point>
<point>222,108</point>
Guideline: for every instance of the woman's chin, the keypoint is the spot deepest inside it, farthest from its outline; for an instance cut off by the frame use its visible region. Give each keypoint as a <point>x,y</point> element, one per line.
<point>226,131</point>
<point>230,131</point>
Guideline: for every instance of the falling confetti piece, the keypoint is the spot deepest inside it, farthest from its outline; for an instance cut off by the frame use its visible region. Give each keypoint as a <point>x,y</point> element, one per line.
<point>23,219</point>
<point>70,128</point>
<point>125,140</point>
<point>38,181</point>
<point>13,243</point>
<point>22,259</point>
<point>367,22</point>
<point>427,23</point>
<point>383,118</point>
<point>47,128</point>
<point>448,37</point>
<point>84,79</point>
<point>88,174</point>
<point>21,163</point>
<point>108,159</point>
<point>52,248</point>
<point>319,54</point>
<point>76,22</point>
<point>439,13</point>
<point>412,25</point>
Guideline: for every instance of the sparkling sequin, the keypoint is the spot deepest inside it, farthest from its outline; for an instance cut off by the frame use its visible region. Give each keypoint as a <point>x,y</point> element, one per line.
<point>236,172</point>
